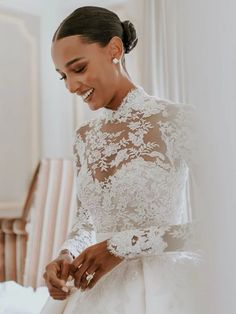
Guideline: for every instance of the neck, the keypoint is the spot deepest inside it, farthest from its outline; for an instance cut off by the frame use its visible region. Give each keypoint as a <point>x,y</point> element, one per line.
<point>122,90</point>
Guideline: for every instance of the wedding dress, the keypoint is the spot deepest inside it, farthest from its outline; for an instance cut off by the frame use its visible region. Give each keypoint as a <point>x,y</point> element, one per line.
<point>134,167</point>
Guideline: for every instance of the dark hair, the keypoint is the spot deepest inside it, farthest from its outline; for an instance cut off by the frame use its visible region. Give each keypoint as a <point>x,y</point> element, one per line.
<point>96,24</point>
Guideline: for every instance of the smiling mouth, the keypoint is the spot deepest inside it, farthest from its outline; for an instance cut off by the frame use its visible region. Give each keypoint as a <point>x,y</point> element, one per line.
<point>86,95</point>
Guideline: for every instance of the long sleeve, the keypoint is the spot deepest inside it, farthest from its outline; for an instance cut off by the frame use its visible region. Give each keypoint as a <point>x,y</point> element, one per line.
<point>82,233</point>
<point>177,131</point>
<point>153,240</point>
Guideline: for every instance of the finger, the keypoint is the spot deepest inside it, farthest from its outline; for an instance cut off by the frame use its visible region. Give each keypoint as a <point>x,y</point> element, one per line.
<point>52,289</point>
<point>90,271</point>
<point>73,269</point>
<point>55,281</point>
<point>79,273</point>
<point>98,275</point>
<point>51,268</point>
<point>65,269</point>
<point>58,296</point>
<point>78,261</point>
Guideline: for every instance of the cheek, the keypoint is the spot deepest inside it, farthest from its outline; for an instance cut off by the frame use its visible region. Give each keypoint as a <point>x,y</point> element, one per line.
<point>102,78</point>
<point>103,74</point>
<point>109,82</point>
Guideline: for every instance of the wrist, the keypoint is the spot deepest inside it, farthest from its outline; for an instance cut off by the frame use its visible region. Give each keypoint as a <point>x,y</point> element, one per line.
<point>112,253</point>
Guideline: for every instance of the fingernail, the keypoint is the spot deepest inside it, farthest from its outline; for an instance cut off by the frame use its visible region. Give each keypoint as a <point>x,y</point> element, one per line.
<point>65,289</point>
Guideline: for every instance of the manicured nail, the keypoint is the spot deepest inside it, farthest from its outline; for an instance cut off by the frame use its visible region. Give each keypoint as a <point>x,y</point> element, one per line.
<point>65,289</point>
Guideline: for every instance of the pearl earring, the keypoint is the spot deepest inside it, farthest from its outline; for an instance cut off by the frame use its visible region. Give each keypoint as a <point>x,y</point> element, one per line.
<point>115,61</point>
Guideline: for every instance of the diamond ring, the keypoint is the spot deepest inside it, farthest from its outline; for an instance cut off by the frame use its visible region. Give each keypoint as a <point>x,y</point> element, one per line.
<point>89,277</point>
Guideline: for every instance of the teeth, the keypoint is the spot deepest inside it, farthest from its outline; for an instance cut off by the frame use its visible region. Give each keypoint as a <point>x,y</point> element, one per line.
<point>86,95</point>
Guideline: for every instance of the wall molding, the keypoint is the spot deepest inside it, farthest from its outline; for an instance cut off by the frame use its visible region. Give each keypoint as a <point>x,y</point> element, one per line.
<point>23,30</point>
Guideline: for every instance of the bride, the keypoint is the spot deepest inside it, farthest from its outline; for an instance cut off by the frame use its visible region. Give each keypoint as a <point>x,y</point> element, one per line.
<point>128,250</point>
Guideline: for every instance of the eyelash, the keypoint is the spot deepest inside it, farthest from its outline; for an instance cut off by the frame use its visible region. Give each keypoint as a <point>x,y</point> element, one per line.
<point>76,71</point>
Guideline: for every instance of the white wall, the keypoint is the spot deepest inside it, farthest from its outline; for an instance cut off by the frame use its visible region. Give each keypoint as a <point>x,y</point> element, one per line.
<point>59,109</point>
<point>19,106</point>
<point>57,104</point>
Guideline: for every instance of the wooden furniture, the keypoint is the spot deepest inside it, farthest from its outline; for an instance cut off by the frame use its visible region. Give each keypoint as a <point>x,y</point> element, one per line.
<point>28,243</point>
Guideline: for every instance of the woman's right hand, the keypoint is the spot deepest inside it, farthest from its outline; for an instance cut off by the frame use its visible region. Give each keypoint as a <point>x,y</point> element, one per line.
<point>56,275</point>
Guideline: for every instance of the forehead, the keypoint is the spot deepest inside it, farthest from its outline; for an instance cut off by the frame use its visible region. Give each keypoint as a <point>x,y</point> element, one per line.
<point>71,47</point>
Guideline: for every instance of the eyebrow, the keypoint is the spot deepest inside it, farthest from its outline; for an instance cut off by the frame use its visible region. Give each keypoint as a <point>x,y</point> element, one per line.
<point>71,62</point>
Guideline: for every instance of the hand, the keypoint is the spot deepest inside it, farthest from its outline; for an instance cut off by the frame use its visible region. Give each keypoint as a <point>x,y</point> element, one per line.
<point>96,260</point>
<point>56,275</point>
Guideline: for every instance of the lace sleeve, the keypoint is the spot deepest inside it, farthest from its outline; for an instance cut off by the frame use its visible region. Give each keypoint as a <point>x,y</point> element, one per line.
<point>82,233</point>
<point>186,141</point>
<point>188,147</point>
<point>154,240</point>
<point>178,132</point>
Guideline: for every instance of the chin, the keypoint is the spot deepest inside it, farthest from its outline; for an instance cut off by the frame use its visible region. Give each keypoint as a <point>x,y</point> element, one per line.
<point>93,107</point>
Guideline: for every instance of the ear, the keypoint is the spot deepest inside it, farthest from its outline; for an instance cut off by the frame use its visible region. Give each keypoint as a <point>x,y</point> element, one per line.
<point>116,48</point>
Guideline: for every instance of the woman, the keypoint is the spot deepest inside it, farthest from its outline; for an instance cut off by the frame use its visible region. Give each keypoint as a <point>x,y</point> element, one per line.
<point>127,250</point>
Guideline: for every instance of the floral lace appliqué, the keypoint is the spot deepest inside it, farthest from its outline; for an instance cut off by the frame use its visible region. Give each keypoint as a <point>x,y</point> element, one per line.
<point>132,165</point>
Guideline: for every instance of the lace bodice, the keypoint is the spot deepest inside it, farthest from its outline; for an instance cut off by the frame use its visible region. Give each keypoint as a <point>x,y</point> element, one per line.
<point>132,167</point>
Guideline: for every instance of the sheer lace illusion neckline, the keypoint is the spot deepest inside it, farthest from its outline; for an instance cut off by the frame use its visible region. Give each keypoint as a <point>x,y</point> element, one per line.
<point>131,100</point>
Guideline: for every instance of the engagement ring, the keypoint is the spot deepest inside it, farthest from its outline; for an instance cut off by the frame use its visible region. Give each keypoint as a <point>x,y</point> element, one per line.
<point>89,277</point>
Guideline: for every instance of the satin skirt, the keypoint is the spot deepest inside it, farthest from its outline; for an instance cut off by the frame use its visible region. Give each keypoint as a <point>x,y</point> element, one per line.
<point>162,284</point>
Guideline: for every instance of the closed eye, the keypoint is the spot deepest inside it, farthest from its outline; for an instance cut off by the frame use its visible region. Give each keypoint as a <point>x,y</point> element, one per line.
<point>79,70</point>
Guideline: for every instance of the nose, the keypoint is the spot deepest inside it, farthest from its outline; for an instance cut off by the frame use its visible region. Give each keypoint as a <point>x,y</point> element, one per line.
<point>72,85</point>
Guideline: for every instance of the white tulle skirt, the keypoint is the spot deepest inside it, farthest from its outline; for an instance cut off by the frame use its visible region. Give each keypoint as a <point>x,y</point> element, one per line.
<point>146,285</point>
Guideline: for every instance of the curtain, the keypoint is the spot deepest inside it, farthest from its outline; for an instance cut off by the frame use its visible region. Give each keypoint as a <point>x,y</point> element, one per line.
<point>162,58</point>
<point>188,55</point>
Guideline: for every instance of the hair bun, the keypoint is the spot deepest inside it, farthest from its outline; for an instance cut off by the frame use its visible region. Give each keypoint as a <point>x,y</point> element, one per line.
<point>130,38</point>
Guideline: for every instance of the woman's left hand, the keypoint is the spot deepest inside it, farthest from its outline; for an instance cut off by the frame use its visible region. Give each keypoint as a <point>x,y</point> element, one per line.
<point>96,261</point>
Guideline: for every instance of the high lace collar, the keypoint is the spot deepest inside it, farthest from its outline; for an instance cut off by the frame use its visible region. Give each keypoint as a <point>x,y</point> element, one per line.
<point>132,100</point>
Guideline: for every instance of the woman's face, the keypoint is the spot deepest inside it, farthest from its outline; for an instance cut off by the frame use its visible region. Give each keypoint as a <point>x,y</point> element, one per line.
<point>87,70</point>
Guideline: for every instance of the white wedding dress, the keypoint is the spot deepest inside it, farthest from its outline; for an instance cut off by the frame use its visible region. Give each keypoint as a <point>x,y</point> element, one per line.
<point>134,168</point>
